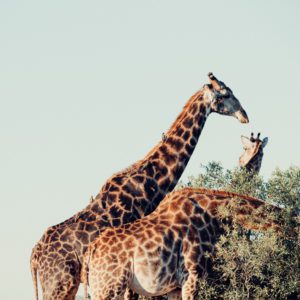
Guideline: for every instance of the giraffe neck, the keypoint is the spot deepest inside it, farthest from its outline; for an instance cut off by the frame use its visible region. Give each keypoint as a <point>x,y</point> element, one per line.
<point>246,211</point>
<point>141,187</point>
<point>211,200</point>
<point>254,164</point>
<point>137,191</point>
<point>170,157</point>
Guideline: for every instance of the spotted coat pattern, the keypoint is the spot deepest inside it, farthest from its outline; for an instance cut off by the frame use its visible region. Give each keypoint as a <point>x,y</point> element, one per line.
<point>164,252</point>
<point>128,195</point>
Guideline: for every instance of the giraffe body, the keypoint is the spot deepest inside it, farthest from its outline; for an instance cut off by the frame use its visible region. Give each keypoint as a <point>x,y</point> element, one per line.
<point>164,253</point>
<point>128,195</point>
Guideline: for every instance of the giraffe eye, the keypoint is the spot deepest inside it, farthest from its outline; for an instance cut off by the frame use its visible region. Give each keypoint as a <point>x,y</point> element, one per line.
<point>225,93</point>
<point>220,104</point>
<point>219,97</point>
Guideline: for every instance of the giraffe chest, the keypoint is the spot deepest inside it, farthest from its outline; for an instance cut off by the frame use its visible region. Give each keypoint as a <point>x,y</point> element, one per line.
<point>153,277</point>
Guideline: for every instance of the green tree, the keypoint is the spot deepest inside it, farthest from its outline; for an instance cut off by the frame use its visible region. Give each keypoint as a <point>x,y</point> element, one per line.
<point>256,266</point>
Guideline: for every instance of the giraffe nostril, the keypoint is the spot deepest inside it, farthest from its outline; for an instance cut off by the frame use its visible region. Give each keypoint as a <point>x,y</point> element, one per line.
<point>242,116</point>
<point>245,116</point>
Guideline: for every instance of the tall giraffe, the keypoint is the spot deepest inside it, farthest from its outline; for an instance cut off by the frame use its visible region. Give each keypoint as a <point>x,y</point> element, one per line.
<point>163,253</point>
<point>251,159</point>
<point>129,194</point>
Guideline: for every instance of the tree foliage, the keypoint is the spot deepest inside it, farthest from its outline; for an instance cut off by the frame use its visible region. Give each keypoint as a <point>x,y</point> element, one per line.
<point>250,265</point>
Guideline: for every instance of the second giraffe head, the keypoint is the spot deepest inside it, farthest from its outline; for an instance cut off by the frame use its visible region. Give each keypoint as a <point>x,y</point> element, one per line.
<point>252,157</point>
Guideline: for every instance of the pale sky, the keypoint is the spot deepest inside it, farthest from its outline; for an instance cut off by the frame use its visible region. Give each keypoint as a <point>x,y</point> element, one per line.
<point>88,87</point>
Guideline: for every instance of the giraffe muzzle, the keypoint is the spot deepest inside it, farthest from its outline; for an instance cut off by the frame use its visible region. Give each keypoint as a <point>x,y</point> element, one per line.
<point>241,115</point>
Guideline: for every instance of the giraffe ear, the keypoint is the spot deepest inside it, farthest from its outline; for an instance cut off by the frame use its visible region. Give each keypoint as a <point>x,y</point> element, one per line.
<point>247,144</point>
<point>265,142</point>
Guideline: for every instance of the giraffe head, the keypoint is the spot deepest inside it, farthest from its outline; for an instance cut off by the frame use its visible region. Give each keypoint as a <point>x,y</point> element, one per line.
<point>253,151</point>
<point>223,101</point>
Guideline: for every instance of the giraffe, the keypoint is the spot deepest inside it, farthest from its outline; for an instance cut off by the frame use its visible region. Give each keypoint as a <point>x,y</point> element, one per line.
<point>128,195</point>
<point>251,159</point>
<point>164,253</point>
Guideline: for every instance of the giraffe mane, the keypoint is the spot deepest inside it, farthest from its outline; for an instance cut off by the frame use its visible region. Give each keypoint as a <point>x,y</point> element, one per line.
<point>178,120</point>
<point>130,168</point>
<point>137,165</point>
<point>219,193</point>
<point>228,194</point>
<point>173,128</point>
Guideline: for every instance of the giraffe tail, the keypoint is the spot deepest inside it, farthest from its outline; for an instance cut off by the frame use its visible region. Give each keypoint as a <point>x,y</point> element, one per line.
<point>34,267</point>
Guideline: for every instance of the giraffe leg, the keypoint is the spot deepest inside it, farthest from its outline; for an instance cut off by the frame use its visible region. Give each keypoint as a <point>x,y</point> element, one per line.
<point>175,295</point>
<point>104,287</point>
<point>190,288</point>
<point>65,289</point>
<point>130,295</point>
<point>60,278</point>
<point>109,294</point>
